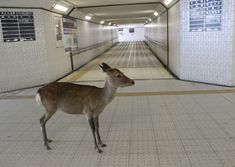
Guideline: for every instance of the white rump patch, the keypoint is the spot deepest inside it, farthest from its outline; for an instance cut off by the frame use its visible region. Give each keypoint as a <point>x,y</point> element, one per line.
<point>38,99</point>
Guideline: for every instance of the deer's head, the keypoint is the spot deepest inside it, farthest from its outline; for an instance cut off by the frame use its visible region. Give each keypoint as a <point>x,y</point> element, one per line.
<point>116,77</point>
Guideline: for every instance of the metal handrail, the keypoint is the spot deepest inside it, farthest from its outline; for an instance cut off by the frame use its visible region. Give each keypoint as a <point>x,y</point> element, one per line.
<point>80,50</point>
<point>156,42</point>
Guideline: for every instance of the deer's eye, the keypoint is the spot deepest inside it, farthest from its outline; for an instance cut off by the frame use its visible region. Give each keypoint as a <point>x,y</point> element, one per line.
<point>119,76</point>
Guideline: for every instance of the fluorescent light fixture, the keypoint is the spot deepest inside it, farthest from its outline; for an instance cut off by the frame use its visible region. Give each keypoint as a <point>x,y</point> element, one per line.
<point>102,22</point>
<point>110,24</point>
<point>150,19</point>
<point>60,7</point>
<point>155,13</point>
<point>88,17</point>
<point>167,2</point>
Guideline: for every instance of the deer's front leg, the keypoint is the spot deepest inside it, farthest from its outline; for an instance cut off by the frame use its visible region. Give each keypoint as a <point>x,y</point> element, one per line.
<point>92,125</point>
<point>96,121</point>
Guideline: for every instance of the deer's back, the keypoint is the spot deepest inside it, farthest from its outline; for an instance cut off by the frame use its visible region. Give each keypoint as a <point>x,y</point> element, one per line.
<point>70,98</point>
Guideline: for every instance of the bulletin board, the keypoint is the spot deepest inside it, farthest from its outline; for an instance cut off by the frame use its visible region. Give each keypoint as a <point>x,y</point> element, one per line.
<point>70,34</point>
<point>205,15</point>
<point>17,26</point>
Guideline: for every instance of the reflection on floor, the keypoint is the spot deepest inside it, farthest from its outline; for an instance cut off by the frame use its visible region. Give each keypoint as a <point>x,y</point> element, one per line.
<point>172,123</point>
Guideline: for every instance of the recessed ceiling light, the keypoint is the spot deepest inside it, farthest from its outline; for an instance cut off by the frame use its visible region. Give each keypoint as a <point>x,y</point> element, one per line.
<point>102,22</point>
<point>88,17</point>
<point>60,7</point>
<point>155,13</point>
<point>167,2</point>
<point>150,19</point>
<point>110,24</point>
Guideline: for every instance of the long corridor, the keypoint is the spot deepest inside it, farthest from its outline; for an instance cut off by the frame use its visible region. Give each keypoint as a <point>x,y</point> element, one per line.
<point>158,122</point>
<point>133,58</point>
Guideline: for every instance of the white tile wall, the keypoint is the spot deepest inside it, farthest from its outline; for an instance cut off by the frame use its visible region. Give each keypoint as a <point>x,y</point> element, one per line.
<point>233,22</point>
<point>26,64</point>
<point>28,3</point>
<point>23,64</point>
<point>58,61</point>
<point>207,56</point>
<point>200,56</point>
<point>90,34</point>
<point>138,34</point>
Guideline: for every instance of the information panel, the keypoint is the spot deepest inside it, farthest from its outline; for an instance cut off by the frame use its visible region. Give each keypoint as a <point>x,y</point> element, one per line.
<point>17,26</point>
<point>205,15</point>
<point>70,34</point>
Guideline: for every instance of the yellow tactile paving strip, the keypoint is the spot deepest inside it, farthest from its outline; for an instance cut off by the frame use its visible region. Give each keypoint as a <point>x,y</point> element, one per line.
<point>160,93</point>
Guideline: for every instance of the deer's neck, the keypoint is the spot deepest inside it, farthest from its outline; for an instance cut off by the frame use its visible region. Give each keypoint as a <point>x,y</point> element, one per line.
<point>109,91</point>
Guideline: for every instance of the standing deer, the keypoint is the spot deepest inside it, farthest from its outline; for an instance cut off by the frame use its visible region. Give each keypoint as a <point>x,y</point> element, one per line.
<point>81,99</point>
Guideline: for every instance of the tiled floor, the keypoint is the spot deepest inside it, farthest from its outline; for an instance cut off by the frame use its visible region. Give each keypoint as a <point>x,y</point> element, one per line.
<point>182,124</point>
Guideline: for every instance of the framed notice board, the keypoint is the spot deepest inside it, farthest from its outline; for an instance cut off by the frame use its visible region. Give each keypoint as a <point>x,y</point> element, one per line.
<point>205,15</point>
<point>17,26</point>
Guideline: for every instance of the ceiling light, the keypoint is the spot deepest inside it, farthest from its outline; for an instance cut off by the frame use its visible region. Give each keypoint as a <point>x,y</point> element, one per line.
<point>155,13</point>
<point>60,7</point>
<point>167,2</point>
<point>150,19</point>
<point>110,24</point>
<point>88,17</point>
<point>102,22</point>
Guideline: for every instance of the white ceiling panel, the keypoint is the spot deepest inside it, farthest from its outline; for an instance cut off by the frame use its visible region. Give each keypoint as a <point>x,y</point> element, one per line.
<point>85,3</point>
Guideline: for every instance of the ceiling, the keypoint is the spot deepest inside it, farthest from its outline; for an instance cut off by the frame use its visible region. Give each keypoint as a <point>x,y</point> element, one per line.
<point>87,3</point>
<point>119,11</point>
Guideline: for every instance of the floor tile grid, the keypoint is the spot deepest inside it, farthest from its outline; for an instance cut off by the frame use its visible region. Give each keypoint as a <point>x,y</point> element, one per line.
<point>198,156</point>
<point>208,102</point>
<point>111,152</point>
<point>140,54</point>
<point>117,55</point>
<point>152,60</point>
<point>185,155</point>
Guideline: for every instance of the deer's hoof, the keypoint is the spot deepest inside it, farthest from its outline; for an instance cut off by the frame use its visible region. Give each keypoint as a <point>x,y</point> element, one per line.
<point>48,148</point>
<point>99,151</point>
<point>103,145</point>
<point>49,141</point>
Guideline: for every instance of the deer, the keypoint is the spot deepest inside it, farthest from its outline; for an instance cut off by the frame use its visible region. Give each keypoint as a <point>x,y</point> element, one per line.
<point>88,100</point>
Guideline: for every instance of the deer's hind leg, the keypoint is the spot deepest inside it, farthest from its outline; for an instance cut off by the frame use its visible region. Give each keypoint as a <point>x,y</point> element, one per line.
<point>43,121</point>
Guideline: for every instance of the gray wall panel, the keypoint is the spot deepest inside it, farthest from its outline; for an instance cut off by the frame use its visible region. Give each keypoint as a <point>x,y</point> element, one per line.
<point>174,39</point>
<point>157,31</point>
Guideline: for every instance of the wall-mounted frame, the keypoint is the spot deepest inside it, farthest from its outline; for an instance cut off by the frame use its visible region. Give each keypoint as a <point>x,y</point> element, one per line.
<point>205,15</point>
<point>58,31</point>
<point>17,26</point>
<point>70,34</point>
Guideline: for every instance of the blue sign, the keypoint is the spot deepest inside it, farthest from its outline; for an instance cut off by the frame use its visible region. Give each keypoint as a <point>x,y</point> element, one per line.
<point>205,15</point>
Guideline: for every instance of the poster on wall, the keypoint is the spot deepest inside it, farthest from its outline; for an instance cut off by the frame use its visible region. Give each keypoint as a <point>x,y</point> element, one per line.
<point>131,30</point>
<point>58,31</point>
<point>70,34</point>
<point>205,15</point>
<point>17,26</point>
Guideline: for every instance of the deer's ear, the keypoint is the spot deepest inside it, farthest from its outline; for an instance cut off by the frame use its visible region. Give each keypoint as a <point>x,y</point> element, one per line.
<point>105,67</point>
